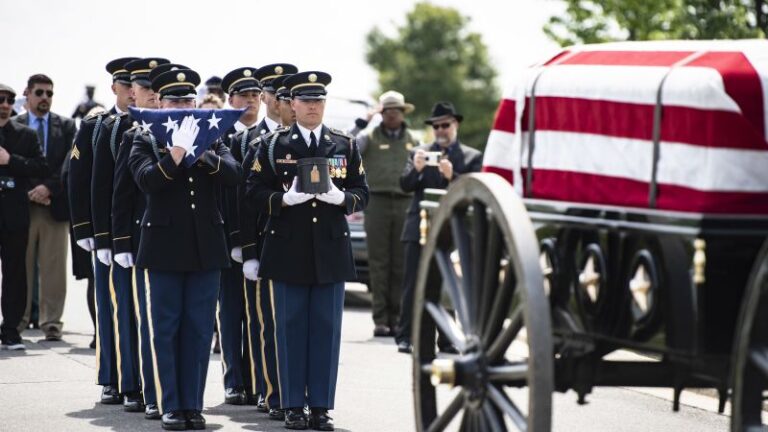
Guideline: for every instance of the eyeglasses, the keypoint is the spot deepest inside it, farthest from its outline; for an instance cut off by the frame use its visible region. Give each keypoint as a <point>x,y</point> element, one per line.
<point>437,126</point>
<point>40,92</point>
<point>10,99</point>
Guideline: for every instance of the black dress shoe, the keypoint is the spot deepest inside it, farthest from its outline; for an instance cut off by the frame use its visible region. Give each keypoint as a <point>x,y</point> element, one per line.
<point>234,396</point>
<point>276,414</point>
<point>320,420</point>
<point>133,402</point>
<point>151,412</point>
<point>258,401</point>
<point>195,420</point>
<point>110,396</point>
<point>404,347</point>
<point>295,419</point>
<point>382,331</point>
<point>174,420</point>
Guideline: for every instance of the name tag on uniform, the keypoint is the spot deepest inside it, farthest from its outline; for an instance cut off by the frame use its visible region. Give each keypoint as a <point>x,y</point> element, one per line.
<point>286,161</point>
<point>383,146</point>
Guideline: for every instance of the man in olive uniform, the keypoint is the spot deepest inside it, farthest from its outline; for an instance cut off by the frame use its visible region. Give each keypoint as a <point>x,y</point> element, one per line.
<point>252,241</point>
<point>455,159</point>
<point>385,150</point>
<point>182,249</point>
<point>128,206</point>
<point>237,321</point>
<point>307,253</point>
<point>79,184</point>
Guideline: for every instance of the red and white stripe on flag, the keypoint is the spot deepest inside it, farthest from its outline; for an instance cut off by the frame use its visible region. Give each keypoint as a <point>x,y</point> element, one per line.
<point>594,120</point>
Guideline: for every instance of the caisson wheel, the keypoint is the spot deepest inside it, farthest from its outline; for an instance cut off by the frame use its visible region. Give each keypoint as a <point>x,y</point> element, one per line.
<point>480,288</point>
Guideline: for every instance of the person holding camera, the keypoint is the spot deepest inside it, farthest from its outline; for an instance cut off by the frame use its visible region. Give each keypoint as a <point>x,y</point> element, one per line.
<point>431,166</point>
<point>20,160</point>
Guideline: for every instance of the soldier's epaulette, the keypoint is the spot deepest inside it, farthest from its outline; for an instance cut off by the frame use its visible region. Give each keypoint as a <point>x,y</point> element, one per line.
<point>93,117</point>
<point>340,133</point>
<point>109,121</point>
<point>267,136</point>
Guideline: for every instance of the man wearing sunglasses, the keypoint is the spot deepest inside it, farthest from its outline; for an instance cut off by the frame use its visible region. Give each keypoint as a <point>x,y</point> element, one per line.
<point>20,159</point>
<point>432,166</point>
<point>49,210</point>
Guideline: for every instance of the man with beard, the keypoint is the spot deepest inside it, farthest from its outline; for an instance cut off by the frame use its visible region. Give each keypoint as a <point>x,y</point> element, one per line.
<point>20,159</point>
<point>238,327</point>
<point>80,176</point>
<point>182,250</point>
<point>456,159</point>
<point>49,210</point>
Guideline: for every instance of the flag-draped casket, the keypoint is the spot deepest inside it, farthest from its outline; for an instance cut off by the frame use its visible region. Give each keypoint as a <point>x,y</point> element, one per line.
<point>668,125</point>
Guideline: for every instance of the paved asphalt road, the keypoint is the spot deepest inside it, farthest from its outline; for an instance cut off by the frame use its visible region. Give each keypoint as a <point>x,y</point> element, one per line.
<point>50,387</point>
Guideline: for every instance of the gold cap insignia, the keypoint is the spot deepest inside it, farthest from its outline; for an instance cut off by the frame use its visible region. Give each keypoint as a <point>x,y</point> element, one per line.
<point>247,73</point>
<point>181,77</point>
<point>279,70</point>
<point>312,78</point>
<point>152,64</point>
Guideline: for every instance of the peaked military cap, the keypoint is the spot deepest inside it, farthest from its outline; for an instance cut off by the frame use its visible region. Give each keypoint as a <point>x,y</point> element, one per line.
<point>266,74</point>
<point>308,85</point>
<point>176,84</point>
<point>165,67</point>
<point>241,80</point>
<point>117,69</point>
<point>140,69</point>
<point>281,91</point>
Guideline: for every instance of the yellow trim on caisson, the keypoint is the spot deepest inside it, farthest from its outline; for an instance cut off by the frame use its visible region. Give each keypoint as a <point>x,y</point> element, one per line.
<point>116,326</point>
<point>155,372</point>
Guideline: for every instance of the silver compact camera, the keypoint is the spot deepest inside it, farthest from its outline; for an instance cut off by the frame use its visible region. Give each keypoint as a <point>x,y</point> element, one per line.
<point>433,158</point>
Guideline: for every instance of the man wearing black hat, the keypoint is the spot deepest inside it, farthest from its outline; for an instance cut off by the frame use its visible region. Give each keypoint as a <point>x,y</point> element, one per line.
<point>238,326</point>
<point>182,249</point>
<point>80,175</point>
<point>121,286</point>
<point>20,160</point>
<point>252,241</point>
<point>430,166</point>
<point>307,254</point>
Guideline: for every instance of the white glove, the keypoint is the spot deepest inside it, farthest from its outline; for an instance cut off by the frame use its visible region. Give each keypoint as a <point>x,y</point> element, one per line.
<point>333,196</point>
<point>251,269</point>
<point>184,135</point>
<point>237,254</point>
<point>292,197</point>
<point>87,243</point>
<point>125,259</point>
<point>105,256</point>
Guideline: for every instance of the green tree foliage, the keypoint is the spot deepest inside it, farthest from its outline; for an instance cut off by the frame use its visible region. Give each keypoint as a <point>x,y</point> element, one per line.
<point>593,21</point>
<point>433,57</point>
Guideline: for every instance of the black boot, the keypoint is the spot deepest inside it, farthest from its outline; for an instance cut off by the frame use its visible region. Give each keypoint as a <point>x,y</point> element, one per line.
<point>195,420</point>
<point>320,420</point>
<point>110,396</point>
<point>174,420</point>
<point>295,419</point>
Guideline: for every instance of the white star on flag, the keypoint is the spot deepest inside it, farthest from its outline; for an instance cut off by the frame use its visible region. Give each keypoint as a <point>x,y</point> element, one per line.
<point>213,122</point>
<point>170,124</point>
<point>145,126</point>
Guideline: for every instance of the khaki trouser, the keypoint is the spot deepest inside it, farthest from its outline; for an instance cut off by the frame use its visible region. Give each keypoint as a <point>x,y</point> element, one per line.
<point>47,246</point>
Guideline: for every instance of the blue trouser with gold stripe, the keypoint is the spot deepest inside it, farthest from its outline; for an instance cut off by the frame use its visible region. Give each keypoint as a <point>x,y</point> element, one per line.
<point>106,358</point>
<point>236,332</point>
<point>266,349</point>
<point>145,343</point>
<point>124,322</point>
<point>308,321</point>
<point>182,308</point>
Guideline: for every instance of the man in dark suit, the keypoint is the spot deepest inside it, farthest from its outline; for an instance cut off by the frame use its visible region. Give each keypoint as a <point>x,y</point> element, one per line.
<point>20,159</point>
<point>49,211</point>
<point>182,249</point>
<point>431,166</point>
<point>307,254</point>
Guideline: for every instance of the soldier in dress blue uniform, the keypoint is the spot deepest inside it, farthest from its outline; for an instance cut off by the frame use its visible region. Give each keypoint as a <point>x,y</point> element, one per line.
<point>80,176</point>
<point>182,249</point>
<point>237,321</point>
<point>128,206</point>
<point>307,254</point>
<point>120,278</point>
<point>252,240</point>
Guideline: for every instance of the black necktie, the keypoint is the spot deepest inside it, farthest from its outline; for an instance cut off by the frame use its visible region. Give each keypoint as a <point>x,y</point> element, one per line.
<point>312,144</point>
<point>41,134</point>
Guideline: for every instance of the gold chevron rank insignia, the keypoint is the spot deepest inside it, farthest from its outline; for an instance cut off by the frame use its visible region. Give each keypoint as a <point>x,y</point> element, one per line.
<point>75,153</point>
<point>256,166</point>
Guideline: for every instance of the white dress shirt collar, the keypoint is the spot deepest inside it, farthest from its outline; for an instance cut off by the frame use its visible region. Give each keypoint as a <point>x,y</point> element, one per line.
<point>271,124</point>
<point>305,133</point>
